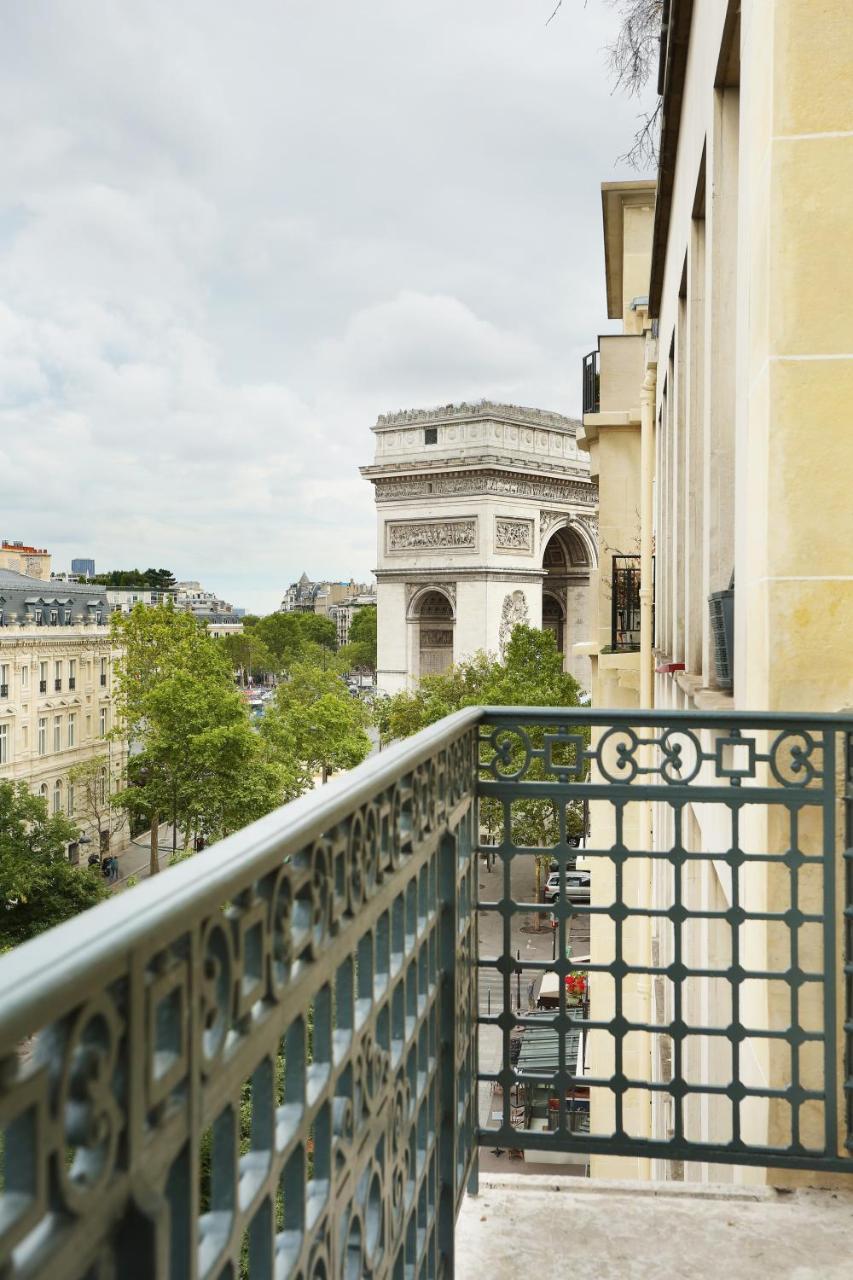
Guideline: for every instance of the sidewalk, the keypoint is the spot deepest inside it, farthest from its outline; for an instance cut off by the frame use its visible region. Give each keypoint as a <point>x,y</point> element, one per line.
<point>134,856</point>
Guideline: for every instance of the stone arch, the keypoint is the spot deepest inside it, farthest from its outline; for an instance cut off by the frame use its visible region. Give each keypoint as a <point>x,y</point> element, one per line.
<point>433,617</point>
<point>418,593</point>
<point>578,538</point>
<point>568,560</point>
<point>554,616</point>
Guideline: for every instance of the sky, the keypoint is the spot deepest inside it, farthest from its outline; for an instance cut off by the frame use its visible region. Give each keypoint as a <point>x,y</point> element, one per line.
<point>231,235</point>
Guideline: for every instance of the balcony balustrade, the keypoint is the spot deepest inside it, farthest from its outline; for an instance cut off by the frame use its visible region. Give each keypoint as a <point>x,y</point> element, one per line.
<point>264,1061</point>
<point>591,383</point>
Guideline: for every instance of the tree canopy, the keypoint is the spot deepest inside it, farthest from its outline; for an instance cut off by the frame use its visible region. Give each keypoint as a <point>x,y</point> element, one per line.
<point>530,674</point>
<point>198,762</point>
<point>38,885</point>
<point>316,717</point>
<point>295,637</point>
<point>359,653</point>
<point>153,579</point>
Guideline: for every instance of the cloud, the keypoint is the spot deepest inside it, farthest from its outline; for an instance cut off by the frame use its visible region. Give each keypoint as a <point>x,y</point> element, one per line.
<point>230,236</point>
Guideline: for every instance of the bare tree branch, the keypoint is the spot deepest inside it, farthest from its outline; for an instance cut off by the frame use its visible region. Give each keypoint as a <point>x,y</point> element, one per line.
<point>631,58</point>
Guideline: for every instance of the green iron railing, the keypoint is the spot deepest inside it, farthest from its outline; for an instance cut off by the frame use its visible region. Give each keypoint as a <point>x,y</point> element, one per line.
<point>715,1013</point>
<point>264,1061</point>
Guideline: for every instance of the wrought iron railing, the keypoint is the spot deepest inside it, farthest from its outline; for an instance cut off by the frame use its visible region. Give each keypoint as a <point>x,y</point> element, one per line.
<point>591,383</point>
<point>625,604</point>
<point>264,1062</point>
<point>261,1062</point>
<point>714,1017</point>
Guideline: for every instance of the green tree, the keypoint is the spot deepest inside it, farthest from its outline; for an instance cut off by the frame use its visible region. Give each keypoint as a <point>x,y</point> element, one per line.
<point>318,719</point>
<point>199,762</point>
<point>96,800</point>
<point>531,674</point>
<point>359,653</point>
<point>283,637</point>
<point>248,656</point>
<point>317,629</point>
<point>38,885</point>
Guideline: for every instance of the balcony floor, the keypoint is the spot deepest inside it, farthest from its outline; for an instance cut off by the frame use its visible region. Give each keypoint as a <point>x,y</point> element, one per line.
<point>566,1229</point>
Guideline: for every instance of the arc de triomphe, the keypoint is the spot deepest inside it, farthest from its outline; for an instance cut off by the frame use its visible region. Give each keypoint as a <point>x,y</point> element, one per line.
<point>486,517</point>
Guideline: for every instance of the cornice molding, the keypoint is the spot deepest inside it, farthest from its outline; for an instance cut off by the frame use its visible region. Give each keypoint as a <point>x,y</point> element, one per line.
<point>484,409</point>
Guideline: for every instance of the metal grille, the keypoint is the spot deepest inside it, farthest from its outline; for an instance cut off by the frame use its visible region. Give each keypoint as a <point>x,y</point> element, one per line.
<point>712,1027</point>
<point>263,1062</point>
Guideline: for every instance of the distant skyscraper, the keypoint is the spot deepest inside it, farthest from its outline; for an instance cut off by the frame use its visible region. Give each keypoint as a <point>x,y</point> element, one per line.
<point>83,568</point>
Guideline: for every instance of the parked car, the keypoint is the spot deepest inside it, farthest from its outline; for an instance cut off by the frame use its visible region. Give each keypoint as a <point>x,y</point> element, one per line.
<point>577,886</point>
<point>574,842</point>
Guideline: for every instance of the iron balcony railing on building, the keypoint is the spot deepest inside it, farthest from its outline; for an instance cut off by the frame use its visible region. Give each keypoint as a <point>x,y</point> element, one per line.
<point>591,383</point>
<point>266,1061</point>
<point>625,581</point>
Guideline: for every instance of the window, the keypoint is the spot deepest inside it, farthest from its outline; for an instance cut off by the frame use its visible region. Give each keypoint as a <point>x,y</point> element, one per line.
<point>430,435</point>
<point>103,673</point>
<point>4,744</point>
<point>57,798</point>
<point>68,617</point>
<point>42,677</point>
<point>70,805</point>
<point>57,733</point>
<point>57,676</point>
<point>72,673</point>
<point>100,617</point>
<point>4,679</point>
<point>43,737</point>
<point>43,792</point>
<point>25,677</point>
<point>54,617</point>
<point>103,722</point>
<point>72,729</point>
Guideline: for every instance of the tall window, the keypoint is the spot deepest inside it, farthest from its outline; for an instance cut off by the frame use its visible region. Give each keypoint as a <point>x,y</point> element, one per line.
<point>70,805</point>
<point>57,798</point>
<point>42,677</point>
<point>4,679</point>
<point>25,677</point>
<point>57,676</point>
<point>72,673</point>
<point>43,736</point>
<point>103,729</point>
<point>54,617</point>
<point>43,792</point>
<point>4,744</point>
<point>103,673</point>
<point>68,617</point>
<point>57,733</point>
<point>72,729</point>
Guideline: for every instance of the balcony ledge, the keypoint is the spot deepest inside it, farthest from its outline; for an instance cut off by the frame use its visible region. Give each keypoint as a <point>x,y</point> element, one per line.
<point>603,1230</point>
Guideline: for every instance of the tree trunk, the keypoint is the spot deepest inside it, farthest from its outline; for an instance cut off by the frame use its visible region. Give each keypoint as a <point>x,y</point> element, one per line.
<point>154,863</point>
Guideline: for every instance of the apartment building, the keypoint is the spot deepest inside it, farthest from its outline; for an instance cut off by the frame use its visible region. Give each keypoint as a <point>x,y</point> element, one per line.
<point>734,469</point>
<point>56,675</point>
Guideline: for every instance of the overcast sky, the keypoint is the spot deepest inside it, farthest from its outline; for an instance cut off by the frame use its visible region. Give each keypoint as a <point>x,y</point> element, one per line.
<point>232,234</point>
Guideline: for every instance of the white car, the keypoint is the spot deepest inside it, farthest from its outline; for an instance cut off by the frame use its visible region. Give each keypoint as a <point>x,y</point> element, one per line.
<point>577,886</point>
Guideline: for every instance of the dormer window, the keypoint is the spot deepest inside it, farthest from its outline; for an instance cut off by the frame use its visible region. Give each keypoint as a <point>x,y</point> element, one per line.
<point>430,435</point>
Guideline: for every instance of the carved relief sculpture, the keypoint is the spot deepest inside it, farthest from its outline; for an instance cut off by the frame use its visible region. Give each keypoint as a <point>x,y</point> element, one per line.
<point>445,534</point>
<point>513,613</point>
<point>514,535</point>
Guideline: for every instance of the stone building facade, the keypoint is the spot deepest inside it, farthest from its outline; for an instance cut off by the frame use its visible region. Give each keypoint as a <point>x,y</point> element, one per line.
<point>56,677</point>
<point>487,517</point>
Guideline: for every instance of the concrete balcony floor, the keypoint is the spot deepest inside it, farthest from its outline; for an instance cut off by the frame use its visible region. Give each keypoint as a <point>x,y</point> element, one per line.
<point>552,1228</point>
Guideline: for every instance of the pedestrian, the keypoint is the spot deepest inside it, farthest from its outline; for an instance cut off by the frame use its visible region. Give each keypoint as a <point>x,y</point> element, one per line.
<point>113,869</point>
